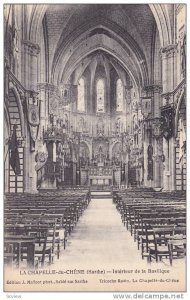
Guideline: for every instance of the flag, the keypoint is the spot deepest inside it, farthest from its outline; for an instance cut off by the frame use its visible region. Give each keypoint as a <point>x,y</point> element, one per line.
<point>14,154</point>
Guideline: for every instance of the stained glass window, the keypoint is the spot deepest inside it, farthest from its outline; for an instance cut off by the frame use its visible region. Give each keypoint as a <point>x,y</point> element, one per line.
<point>100,95</point>
<point>81,95</point>
<point>119,95</point>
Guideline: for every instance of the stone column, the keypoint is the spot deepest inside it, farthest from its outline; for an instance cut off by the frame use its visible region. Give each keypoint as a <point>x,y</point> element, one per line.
<point>168,65</point>
<point>157,166</point>
<point>172,164</point>
<point>152,115</point>
<point>166,170</point>
<point>42,96</point>
<point>30,53</point>
<point>156,89</point>
<point>168,56</point>
<point>146,143</point>
<point>29,75</point>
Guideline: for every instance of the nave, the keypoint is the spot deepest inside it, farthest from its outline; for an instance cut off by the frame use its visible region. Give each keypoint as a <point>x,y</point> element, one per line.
<point>97,242</point>
<point>98,100</point>
<point>101,238</point>
<point>83,226</point>
<point>95,100</point>
<point>104,239</point>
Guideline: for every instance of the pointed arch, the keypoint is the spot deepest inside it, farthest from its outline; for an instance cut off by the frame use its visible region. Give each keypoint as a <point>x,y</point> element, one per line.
<point>161,16</point>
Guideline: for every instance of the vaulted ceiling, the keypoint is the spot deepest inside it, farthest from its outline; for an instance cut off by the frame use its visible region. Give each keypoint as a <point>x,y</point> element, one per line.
<point>123,34</point>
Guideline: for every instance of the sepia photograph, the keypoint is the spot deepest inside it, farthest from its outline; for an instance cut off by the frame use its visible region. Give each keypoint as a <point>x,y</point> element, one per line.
<point>94,147</point>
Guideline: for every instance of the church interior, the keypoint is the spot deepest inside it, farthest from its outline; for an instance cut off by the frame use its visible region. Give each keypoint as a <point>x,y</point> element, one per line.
<point>94,121</point>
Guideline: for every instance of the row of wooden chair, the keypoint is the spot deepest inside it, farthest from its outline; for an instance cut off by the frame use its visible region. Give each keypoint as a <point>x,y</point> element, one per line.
<point>36,227</point>
<point>157,223</point>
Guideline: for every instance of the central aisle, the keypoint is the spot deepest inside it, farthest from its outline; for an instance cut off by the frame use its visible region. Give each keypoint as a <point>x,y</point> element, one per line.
<point>101,255</point>
<point>101,237</point>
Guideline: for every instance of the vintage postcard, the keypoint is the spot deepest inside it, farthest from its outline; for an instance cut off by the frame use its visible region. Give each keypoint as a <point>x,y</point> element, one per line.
<point>95,147</point>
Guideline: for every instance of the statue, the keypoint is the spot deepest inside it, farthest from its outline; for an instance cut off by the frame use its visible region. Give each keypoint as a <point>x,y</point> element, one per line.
<point>41,159</point>
<point>100,155</point>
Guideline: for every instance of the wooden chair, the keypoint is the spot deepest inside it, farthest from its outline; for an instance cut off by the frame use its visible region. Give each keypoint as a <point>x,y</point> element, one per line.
<point>159,247</point>
<point>8,254</point>
<point>146,240</point>
<point>177,244</point>
<point>18,248</point>
<point>53,239</point>
<point>42,249</point>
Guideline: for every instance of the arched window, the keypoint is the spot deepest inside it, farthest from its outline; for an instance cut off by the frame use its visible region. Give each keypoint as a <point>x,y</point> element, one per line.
<point>100,95</point>
<point>119,95</point>
<point>81,95</point>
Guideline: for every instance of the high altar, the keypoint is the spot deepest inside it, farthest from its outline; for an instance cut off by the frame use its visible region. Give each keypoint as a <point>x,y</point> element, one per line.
<point>101,175</point>
<point>100,172</point>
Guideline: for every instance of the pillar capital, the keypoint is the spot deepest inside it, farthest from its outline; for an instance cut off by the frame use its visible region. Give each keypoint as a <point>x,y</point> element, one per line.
<point>168,51</point>
<point>48,87</point>
<point>151,90</point>
<point>154,88</point>
<point>31,48</point>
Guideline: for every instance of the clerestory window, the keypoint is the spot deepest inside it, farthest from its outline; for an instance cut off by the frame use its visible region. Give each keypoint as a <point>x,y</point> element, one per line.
<point>100,91</point>
<point>119,95</point>
<point>81,95</point>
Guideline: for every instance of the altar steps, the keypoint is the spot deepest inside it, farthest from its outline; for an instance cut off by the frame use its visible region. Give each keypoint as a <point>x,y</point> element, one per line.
<point>101,194</point>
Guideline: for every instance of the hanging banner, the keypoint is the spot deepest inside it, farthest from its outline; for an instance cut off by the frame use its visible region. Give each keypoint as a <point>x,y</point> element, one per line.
<point>33,114</point>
